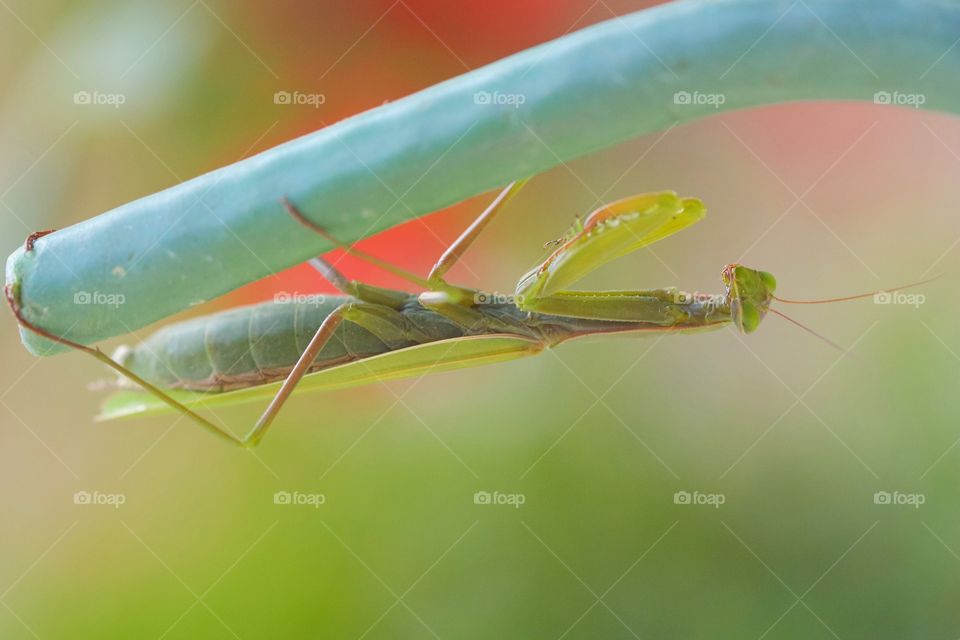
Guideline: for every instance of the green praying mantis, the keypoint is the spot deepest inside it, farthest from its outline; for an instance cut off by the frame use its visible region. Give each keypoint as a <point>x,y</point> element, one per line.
<point>370,333</point>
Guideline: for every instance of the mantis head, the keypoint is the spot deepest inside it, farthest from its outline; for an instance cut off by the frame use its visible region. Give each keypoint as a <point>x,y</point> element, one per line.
<point>750,293</point>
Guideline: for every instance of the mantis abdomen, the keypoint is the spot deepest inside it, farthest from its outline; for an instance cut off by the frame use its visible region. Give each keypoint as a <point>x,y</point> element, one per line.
<point>260,343</point>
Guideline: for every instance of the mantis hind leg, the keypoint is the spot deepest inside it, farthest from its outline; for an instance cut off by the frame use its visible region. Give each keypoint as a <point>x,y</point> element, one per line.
<point>380,320</point>
<point>119,368</point>
<point>376,318</point>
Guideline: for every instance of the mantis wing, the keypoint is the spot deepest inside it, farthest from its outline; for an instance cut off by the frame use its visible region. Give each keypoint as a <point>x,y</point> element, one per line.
<point>442,355</point>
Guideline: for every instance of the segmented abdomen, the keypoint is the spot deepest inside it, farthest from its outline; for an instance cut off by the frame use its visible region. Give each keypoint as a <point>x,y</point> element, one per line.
<point>261,343</point>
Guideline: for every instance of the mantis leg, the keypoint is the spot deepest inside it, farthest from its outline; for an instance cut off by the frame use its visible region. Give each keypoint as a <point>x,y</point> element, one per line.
<point>380,320</point>
<point>659,307</point>
<point>471,320</point>
<point>119,368</point>
<point>386,266</point>
<point>454,252</point>
<point>332,275</point>
<point>610,232</point>
<point>359,290</point>
<point>320,338</point>
<point>449,258</point>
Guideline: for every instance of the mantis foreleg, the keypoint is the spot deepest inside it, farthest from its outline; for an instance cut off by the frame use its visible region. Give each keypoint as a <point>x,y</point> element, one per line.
<point>609,233</point>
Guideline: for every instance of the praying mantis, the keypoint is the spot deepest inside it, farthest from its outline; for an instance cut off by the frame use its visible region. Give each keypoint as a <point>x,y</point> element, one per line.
<point>368,333</point>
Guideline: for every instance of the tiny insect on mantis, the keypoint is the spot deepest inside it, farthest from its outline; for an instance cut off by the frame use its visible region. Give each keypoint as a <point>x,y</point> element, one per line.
<point>371,334</point>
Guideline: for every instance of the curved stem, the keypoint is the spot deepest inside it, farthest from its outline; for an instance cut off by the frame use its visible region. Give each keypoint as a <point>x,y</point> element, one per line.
<point>629,76</point>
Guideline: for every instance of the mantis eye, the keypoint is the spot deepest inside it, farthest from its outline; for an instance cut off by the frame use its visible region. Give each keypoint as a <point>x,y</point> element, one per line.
<point>768,281</point>
<point>749,317</point>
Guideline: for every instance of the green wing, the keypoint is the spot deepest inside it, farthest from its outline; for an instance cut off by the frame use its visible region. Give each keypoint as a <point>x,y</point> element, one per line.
<point>442,355</point>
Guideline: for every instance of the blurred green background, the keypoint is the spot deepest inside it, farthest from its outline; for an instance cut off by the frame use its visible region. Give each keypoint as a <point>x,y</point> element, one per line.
<point>596,437</point>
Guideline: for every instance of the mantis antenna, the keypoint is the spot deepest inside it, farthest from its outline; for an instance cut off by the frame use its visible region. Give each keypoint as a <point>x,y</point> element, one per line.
<point>842,299</point>
<point>859,295</point>
<point>810,331</point>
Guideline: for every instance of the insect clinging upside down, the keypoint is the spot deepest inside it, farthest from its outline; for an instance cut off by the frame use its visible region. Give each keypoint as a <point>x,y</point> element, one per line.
<point>370,333</point>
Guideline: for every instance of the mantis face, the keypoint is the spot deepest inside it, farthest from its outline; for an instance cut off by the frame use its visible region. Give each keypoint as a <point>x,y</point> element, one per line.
<point>750,292</point>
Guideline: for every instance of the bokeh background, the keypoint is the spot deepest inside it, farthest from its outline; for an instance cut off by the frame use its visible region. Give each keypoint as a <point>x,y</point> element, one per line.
<point>597,437</point>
